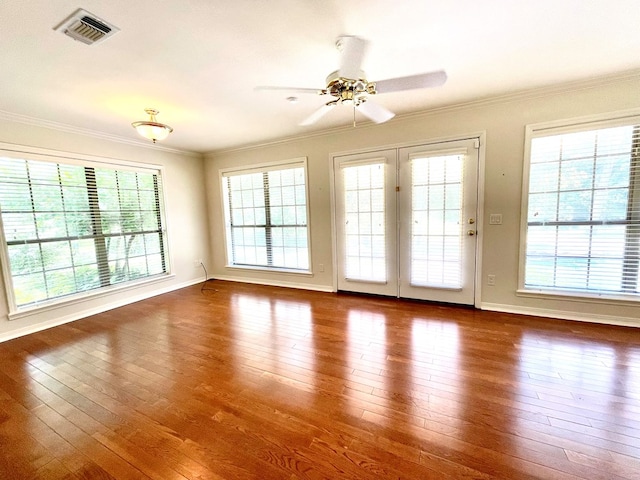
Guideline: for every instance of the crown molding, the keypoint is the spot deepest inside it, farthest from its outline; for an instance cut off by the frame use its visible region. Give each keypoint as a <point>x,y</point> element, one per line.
<point>63,127</point>
<point>531,93</point>
<point>546,91</point>
<point>520,95</point>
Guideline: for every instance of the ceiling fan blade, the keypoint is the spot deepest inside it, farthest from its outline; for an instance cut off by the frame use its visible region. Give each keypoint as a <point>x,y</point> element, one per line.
<point>375,112</point>
<point>352,53</point>
<point>423,80</point>
<point>318,114</point>
<point>317,91</point>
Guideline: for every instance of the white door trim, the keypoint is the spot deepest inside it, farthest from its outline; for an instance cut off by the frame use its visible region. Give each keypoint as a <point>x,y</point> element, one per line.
<point>481,136</point>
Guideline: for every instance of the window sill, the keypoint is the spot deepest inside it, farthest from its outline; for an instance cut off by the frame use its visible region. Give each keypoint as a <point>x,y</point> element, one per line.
<point>606,299</point>
<point>53,305</point>
<point>288,271</point>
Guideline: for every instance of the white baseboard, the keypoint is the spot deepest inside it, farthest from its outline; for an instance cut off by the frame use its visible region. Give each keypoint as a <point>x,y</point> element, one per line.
<point>80,314</point>
<point>563,315</point>
<point>495,307</point>
<point>276,283</point>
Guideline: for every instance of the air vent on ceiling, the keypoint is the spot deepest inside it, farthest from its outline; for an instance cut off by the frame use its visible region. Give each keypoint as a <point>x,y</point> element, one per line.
<point>86,27</point>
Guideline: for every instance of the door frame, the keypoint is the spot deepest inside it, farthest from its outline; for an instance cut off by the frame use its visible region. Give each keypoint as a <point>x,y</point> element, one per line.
<point>481,223</point>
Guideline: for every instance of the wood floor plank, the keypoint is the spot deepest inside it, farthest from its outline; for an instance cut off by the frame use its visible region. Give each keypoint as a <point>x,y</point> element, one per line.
<point>107,460</point>
<point>249,381</point>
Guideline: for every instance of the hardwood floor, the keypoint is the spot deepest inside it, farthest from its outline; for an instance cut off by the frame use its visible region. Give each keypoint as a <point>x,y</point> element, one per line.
<point>253,382</point>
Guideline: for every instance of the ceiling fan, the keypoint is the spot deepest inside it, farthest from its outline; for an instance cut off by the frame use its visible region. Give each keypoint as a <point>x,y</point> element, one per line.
<point>349,85</point>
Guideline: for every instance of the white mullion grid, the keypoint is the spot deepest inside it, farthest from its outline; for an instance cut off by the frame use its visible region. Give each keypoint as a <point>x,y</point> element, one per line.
<point>274,254</point>
<point>591,277</point>
<point>365,262</point>
<point>631,268</point>
<point>442,279</point>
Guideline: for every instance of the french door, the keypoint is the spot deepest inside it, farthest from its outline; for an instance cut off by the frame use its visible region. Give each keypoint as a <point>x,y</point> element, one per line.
<point>406,221</point>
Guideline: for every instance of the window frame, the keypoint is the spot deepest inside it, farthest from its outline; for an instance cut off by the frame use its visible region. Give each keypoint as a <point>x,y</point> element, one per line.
<point>557,127</point>
<point>21,152</point>
<point>264,167</point>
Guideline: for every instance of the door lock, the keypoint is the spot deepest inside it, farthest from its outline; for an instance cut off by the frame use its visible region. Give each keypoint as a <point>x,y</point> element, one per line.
<point>472,221</point>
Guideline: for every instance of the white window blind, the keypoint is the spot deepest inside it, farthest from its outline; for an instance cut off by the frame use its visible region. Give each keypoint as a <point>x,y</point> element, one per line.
<point>436,220</point>
<point>266,217</point>
<point>69,229</point>
<point>364,204</point>
<point>583,216</point>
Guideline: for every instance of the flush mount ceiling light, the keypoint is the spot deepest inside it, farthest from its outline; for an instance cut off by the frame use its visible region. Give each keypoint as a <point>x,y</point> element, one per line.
<point>151,129</point>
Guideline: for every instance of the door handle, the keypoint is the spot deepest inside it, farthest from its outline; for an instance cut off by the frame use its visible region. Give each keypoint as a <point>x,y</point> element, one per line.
<point>471,233</point>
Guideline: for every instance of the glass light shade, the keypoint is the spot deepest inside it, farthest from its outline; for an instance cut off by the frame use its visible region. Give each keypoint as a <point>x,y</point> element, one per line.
<point>151,129</point>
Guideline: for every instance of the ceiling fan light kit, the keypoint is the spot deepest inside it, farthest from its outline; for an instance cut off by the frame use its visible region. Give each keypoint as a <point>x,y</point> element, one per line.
<point>350,86</point>
<point>152,129</point>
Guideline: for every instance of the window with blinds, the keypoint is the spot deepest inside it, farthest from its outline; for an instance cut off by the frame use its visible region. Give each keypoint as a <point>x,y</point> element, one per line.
<point>436,220</point>
<point>365,224</point>
<point>266,216</point>
<point>70,229</point>
<point>583,210</point>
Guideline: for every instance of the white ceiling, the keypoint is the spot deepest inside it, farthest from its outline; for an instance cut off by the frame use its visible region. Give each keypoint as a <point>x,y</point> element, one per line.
<point>198,61</point>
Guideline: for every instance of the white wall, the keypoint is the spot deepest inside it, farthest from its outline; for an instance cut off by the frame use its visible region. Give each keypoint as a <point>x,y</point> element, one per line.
<point>185,205</point>
<point>504,120</point>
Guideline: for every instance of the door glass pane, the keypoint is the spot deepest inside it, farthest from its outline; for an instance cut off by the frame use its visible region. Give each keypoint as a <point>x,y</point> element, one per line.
<point>365,223</point>
<point>436,221</point>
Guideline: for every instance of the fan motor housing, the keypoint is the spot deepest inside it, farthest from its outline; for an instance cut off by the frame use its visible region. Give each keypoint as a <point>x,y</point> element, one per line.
<point>348,89</point>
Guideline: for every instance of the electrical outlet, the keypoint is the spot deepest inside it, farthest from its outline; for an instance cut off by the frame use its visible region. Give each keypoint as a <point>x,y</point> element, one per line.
<point>321,267</point>
<point>491,280</point>
<point>197,263</point>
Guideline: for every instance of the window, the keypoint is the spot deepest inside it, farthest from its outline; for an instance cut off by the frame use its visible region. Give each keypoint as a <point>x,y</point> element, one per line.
<point>71,228</point>
<point>583,210</point>
<point>364,204</point>
<point>436,220</point>
<point>266,216</point>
